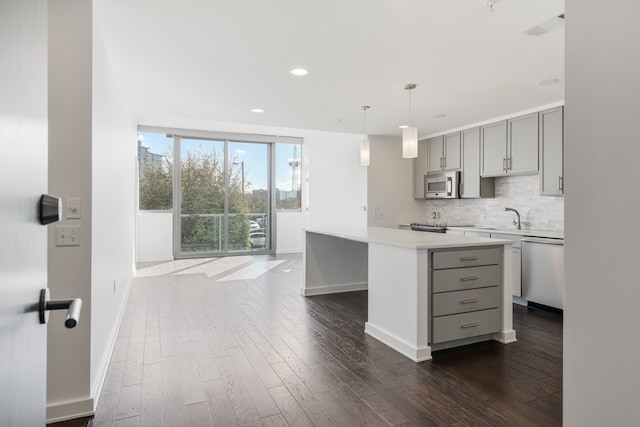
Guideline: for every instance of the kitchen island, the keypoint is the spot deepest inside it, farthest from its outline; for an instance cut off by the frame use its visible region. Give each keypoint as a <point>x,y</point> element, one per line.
<point>426,291</point>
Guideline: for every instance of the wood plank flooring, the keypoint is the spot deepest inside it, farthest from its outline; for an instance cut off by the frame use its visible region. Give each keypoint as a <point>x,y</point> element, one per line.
<point>193,350</point>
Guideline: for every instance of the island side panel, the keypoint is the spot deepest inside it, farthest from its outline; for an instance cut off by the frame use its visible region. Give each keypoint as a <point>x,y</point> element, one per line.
<point>398,308</point>
<point>333,265</point>
<point>507,335</point>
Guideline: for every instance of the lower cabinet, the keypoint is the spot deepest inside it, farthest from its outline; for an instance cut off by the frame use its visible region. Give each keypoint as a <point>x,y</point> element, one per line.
<point>466,293</point>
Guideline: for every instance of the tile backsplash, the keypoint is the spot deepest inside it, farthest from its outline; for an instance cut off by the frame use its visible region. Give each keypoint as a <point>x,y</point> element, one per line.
<point>519,192</point>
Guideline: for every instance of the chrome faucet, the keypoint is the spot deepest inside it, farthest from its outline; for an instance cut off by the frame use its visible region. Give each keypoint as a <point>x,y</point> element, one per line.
<point>515,222</point>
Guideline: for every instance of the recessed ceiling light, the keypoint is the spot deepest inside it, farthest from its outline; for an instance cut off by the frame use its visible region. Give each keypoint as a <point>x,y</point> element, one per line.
<point>548,82</point>
<point>403,126</point>
<point>439,116</point>
<point>299,72</point>
<point>257,110</point>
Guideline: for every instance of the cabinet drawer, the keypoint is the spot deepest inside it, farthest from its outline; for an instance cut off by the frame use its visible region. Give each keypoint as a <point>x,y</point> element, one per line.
<point>458,326</point>
<point>465,301</point>
<point>466,258</point>
<point>459,279</point>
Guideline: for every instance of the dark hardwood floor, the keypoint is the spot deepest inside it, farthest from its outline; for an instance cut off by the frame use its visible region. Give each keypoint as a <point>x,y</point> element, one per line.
<point>197,350</point>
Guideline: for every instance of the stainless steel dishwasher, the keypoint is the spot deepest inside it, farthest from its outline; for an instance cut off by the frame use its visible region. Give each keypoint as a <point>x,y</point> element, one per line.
<point>543,271</point>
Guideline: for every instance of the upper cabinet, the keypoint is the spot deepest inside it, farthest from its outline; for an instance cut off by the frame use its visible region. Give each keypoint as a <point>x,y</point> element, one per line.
<point>552,152</point>
<point>510,146</point>
<point>420,167</point>
<point>471,185</point>
<point>444,153</point>
<point>493,153</point>
<point>523,144</point>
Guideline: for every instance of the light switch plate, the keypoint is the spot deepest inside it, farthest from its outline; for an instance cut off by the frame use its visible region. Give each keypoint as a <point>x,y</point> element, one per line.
<point>67,235</point>
<point>74,208</point>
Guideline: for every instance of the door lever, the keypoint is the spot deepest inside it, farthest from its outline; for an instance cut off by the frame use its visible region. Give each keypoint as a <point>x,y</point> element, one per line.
<point>73,307</point>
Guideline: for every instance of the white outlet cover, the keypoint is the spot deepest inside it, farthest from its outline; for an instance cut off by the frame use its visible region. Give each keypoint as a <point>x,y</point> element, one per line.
<point>74,208</point>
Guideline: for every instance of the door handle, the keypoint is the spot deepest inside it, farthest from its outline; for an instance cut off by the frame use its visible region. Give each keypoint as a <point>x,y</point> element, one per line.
<point>73,307</point>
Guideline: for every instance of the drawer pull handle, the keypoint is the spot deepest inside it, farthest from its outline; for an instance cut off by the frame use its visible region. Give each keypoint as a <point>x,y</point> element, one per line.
<point>469,258</point>
<point>467,279</point>
<point>469,325</point>
<point>469,301</point>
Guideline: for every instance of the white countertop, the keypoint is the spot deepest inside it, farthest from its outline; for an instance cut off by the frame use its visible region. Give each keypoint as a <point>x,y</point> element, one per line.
<point>513,231</point>
<point>406,238</point>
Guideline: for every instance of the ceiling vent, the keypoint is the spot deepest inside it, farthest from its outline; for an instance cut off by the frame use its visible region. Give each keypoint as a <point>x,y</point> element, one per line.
<point>546,26</point>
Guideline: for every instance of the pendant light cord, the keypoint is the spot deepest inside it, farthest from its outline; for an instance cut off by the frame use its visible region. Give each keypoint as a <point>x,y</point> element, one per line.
<point>365,108</point>
<point>410,90</point>
<point>410,87</point>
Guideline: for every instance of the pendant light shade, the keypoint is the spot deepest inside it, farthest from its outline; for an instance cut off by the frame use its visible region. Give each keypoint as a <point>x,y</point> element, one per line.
<point>410,133</point>
<point>364,145</point>
<point>364,152</point>
<point>409,142</point>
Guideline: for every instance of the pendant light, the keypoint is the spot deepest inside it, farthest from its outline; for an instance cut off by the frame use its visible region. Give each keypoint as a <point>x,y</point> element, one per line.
<point>409,133</point>
<point>364,145</point>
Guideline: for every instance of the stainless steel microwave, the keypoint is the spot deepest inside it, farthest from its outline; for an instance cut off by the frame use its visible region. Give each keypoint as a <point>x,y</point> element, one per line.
<point>442,185</point>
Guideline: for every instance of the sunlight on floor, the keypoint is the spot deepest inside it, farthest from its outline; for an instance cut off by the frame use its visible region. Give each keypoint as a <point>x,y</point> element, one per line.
<point>211,267</point>
<point>217,266</point>
<point>170,267</point>
<point>252,271</point>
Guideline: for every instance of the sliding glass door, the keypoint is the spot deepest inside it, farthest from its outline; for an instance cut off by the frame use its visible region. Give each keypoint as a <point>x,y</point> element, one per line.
<point>224,198</point>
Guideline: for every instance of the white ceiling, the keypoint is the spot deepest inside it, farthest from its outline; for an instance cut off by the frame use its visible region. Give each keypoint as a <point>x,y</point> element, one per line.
<point>218,59</point>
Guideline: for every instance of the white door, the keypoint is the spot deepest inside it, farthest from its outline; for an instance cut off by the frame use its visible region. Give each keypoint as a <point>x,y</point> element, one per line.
<point>23,178</point>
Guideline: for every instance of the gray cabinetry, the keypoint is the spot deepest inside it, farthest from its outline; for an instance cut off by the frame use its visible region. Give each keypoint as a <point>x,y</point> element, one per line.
<point>522,153</point>
<point>444,153</point>
<point>471,185</point>
<point>435,149</point>
<point>420,170</point>
<point>552,152</point>
<point>466,294</point>
<point>493,149</point>
<point>451,158</point>
<point>510,146</point>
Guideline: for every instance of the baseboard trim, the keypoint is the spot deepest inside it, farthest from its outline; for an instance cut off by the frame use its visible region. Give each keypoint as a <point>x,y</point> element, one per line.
<point>334,289</point>
<point>505,337</point>
<point>70,410</point>
<point>288,251</point>
<point>156,259</point>
<point>417,354</point>
<point>104,363</point>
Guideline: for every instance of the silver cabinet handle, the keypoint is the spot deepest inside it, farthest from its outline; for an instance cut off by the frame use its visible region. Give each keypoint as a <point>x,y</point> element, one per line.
<point>504,164</point>
<point>73,307</point>
<point>560,184</point>
<point>469,258</point>
<point>468,279</point>
<point>469,325</point>
<point>508,162</point>
<point>469,301</point>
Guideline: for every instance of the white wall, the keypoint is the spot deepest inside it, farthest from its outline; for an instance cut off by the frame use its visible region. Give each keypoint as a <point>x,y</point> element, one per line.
<point>154,236</point>
<point>91,157</point>
<point>390,184</point>
<point>288,235</point>
<point>69,270</point>
<point>601,334</point>
<point>334,185</point>
<point>113,211</point>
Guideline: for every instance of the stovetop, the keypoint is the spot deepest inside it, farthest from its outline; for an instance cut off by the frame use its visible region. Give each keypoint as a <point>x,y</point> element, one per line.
<point>434,228</point>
